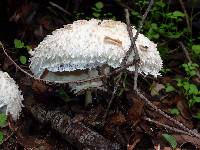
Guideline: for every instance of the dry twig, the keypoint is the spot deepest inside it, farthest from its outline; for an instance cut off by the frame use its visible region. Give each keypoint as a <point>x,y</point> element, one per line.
<point>132,48</point>
<point>133,40</point>
<point>186,15</point>
<point>60,8</point>
<point>166,126</point>
<point>179,124</point>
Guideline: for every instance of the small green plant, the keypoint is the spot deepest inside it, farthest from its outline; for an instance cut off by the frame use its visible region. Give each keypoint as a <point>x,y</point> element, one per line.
<point>99,13</point>
<point>196,51</point>
<point>197,116</point>
<point>190,90</point>
<point>97,9</point>
<point>171,140</point>
<point>20,45</point>
<point>190,69</point>
<point>3,123</point>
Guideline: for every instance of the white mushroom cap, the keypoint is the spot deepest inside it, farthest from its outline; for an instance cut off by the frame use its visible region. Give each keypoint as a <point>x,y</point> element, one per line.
<point>88,44</point>
<point>10,96</point>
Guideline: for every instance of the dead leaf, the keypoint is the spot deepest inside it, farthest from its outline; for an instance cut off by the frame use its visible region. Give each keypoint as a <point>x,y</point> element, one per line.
<point>183,108</point>
<point>135,112</point>
<point>196,80</point>
<point>181,138</point>
<point>117,119</point>
<point>7,63</point>
<point>39,87</point>
<point>134,139</point>
<point>155,88</point>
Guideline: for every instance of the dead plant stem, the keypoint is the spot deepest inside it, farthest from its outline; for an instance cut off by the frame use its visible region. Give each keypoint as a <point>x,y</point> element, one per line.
<point>166,126</point>
<point>167,116</point>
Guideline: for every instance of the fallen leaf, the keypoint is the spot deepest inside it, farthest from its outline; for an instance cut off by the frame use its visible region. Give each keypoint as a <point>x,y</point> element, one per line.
<point>39,87</point>
<point>135,112</point>
<point>156,88</point>
<point>183,108</point>
<point>117,119</point>
<point>7,63</point>
<point>181,138</point>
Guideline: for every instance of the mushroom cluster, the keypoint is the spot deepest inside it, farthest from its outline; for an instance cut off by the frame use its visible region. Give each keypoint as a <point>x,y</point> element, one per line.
<point>75,51</point>
<point>10,96</point>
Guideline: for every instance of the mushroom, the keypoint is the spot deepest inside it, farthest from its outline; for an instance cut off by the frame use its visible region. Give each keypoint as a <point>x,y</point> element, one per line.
<point>10,96</point>
<point>75,51</point>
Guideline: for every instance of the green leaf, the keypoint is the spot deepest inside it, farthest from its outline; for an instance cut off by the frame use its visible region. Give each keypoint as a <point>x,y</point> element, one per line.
<point>97,15</point>
<point>193,89</point>
<point>135,13</point>
<point>197,116</point>
<point>179,82</point>
<point>196,99</point>
<point>174,111</point>
<point>3,120</point>
<point>18,43</point>
<point>23,59</point>
<point>170,139</point>
<point>196,49</point>
<point>1,137</point>
<point>186,85</point>
<point>178,14</point>
<point>161,4</point>
<point>169,88</point>
<point>28,47</point>
<point>99,5</point>
<point>154,26</point>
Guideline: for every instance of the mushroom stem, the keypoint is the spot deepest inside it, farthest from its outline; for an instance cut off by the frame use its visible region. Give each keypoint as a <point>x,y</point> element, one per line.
<point>88,97</point>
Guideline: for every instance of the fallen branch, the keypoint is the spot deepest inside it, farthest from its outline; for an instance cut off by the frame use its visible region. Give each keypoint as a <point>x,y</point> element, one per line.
<point>133,39</point>
<point>74,132</point>
<point>179,124</point>
<point>60,8</point>
<point>166,126</point>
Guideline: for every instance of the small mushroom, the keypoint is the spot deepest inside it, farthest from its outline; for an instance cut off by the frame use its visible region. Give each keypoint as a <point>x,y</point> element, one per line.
<point>75,51</point>
<point>10,96</point>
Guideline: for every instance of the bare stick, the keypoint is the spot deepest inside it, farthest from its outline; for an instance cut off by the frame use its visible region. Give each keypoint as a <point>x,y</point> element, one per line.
<point>186,15</point>
<point>166,126</point>
<point>186,52</point>
<point>167,116</point>
<point>133,40</point>
<point>16,65</point>
<point>113,96</point>
<point>133,47</point>
<point>137,33</point>
<point>60,8</point>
